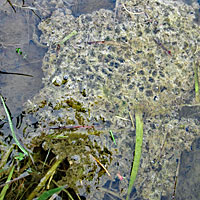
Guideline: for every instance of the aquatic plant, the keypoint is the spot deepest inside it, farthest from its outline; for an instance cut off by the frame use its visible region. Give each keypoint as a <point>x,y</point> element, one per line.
<point>138,150</point>
<point>196,81</point>
<point>12,129</point>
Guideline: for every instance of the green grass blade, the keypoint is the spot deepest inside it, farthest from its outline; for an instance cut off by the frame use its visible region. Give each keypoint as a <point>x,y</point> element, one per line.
<point>138,150</point>
<point>113,138</point>
<point>44,180</point>
<point>70,196</point>
<point>68,36</point>
<point>45,195</point>
<point>5,188</point>
<point>12,129</point>
<point>196,80</point>
<point>5,157</point>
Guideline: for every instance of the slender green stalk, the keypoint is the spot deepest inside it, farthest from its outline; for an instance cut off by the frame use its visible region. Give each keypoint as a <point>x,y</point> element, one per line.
<point>196,79</point>
<point>12,129</point>
<point>5,157</point>
<point>68,36</point>
<point>113,138</point>
<point>44,180</point>
<point>138,150</point>
<point>5,188</point>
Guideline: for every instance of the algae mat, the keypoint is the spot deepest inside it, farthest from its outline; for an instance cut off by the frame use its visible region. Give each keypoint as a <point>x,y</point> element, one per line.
<point>142,56</point>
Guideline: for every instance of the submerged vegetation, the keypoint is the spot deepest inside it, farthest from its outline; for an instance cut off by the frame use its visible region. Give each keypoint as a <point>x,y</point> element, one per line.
<point>78,129</point>
<point>138,150</point>
<point>11,128</point>
<point>73,142</point>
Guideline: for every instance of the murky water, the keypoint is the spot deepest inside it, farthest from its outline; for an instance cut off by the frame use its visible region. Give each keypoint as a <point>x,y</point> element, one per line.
<point>188,186</point>
<point>87,6</point>
<point>16,31</point>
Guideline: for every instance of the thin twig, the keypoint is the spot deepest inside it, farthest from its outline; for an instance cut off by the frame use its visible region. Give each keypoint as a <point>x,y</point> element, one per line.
<point>176,179</point>
<point>15,73</point>
<point>131,119</point>
<point>123,118</point>
<point>25,174</point>
<point>11,5</point>
<point>132,13</point>
<point>101,165</point>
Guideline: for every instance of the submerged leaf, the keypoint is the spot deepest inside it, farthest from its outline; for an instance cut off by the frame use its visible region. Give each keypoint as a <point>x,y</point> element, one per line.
<point>45,195</point>
<point>138,150</point>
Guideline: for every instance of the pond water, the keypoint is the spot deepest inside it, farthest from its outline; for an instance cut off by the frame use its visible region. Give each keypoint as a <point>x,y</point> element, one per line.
<point>19,30</point>
<point>16,30</point>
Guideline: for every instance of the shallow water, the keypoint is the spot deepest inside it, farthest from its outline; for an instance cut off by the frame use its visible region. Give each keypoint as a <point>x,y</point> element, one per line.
<point>16,84</point>
<point>88,6</point>
<point>16,31</point>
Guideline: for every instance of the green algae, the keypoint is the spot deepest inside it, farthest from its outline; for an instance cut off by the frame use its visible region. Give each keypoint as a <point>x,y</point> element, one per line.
<point>71,103</point>
<point>75,105</point>
<point>72,145</point>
